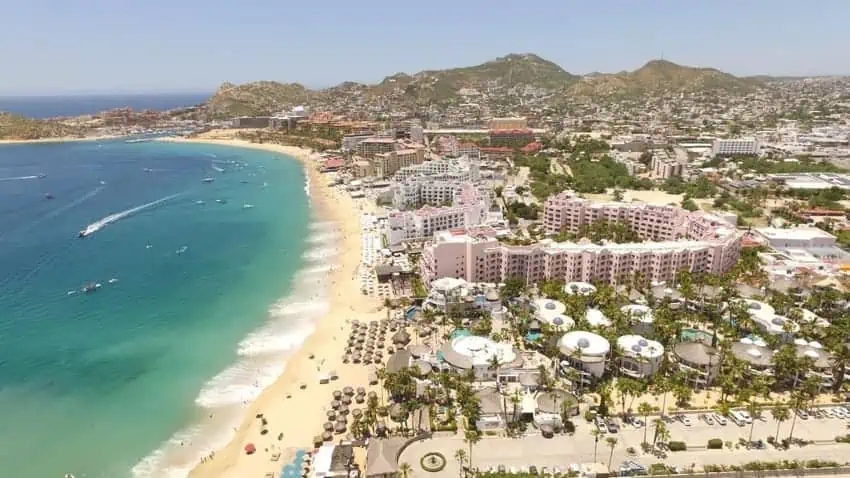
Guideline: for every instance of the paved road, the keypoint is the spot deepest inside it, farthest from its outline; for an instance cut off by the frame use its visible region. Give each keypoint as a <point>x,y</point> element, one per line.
<point>564,450</point>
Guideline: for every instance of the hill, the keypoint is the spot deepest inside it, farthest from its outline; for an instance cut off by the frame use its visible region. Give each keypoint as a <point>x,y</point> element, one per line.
<point>661,76</point>
<point>257,98</point>
<point>17,127</point>
<point>502,74</point>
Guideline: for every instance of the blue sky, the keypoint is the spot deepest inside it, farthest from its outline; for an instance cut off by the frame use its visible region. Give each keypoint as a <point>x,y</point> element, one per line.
<point>61,46</point>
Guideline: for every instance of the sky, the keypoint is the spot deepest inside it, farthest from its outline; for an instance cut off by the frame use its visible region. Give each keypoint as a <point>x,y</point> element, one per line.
<point>122,46</point>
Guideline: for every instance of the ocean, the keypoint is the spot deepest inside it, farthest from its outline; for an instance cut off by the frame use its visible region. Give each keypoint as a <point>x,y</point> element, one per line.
<point>75,105</point>
<point>197,300</point>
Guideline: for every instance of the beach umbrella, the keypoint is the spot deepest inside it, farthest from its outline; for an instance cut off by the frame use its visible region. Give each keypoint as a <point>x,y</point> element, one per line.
<point>361,391</point>
<point>337,394</point>
<point>346,358</point>
<point>328,426</point>
<point>327,436</point>
<point>346,400</point>
<point>250,449</point>
<point>340,427</point>
<point>401,337</point>
<point>356,359</point>
<point>360,399</point>
<point>373,394</point>
<point>358,347</point>
<point>348,390</point>
<point>380,345</point>
<point>356,412</point>
<point>342,419</point>
<point>343,409</point>
<point>336,404</point>
<point>317,441</point>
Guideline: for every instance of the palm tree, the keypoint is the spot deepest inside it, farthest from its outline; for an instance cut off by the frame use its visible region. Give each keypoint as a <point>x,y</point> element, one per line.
<point>460,456</point>
<point>596,433</point>
<point>612,442</point>
<point>798,398</point>
<point>404,470</point>
<point>645,409</point>
<point>471,436</point>
<point>753,410</point>
<point>780,414</point>
<point>494,365</point>
<point>661,432</point>
<point>516,399</point>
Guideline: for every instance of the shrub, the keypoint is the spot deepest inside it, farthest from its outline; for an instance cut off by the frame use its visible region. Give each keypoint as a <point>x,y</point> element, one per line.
<point>715,444</point>
<point>569,427</point>
<point>658,469</point>
<point>843,438</point>
<point>677,446</point>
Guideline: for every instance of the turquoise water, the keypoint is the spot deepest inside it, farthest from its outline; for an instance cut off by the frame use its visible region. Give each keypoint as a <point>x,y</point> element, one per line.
<point>200,310</point>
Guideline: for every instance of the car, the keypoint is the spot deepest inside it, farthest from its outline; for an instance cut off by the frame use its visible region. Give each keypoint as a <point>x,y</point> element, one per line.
<point>844,409</point>
<point>631,468</point>
<point>720,419</point>
<point>745,416</point>
<point>667,419</point>
<point>600,423</point>
<point>685,420</point>
<point>838,412</point>
<point>637,423</point>
<point>707,418</point>
<point>802,414</point>
<point>828,413</point>
<point>613,426</point>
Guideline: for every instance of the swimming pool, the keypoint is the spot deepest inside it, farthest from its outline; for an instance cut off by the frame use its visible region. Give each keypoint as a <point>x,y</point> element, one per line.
<point>695,335</point>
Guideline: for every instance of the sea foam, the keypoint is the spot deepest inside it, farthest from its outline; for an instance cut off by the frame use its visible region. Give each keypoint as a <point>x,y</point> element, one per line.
<point>261,360</point>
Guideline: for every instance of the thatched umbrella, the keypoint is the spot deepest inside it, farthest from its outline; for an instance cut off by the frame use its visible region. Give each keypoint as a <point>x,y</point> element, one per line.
<point>328,426</point>
<point>361,391</point>
<point>327,436</point>
<point>359,399</point>
<point>346,358</point>
<point>331,414</point>
<point>340,427</point>
<point>373,394</point>
<point>343,410</point>
<point>401,337</point>
<point>358,347</point>
<point>336,404</point>
<point>337,394</point>
<point>356,358</point>
<point>380,345</point>
<point>356,412</point>
<point>346,400</point>
<point>342,419</point>
<point>317,441</point>
<point>367,360</point>
<point>348,390</point>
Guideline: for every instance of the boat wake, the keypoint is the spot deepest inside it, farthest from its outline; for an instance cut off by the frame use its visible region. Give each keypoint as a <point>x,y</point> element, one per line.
<point>100,224</point>
<point>221,170</point>
<point>19,178</point>
<point>262,356</point>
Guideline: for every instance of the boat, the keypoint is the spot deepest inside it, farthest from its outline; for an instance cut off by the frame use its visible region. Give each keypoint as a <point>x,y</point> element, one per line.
<point>137,140</point>
<point>199,202</point>
<point>113,280</point>
<point>247,206</point>
<point>182,249</point>
<point>221,201</point>
<point>208,180</point>
<point>48,196</point>
<point>148,170</point>
<point>90,287</point>
<point>42,176</point>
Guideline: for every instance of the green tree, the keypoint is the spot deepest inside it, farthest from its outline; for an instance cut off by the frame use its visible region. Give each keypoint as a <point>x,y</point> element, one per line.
<point>460,456</point>
<point>471,436</point>
<point>780,414</point>
<point>404,470</point>
<point>595,433</point>
<point>645,409</point>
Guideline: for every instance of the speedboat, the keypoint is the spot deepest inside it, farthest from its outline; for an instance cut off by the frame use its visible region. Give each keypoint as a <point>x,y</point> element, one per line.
<point>208,180</point>
<point>182,249</point>
<point>148,170</point>
<point>90,287</point>
<point>199,201</point>
<point>48,196</point>
<point>113,280</point>
<point>247,206</point>
<point>221,201</point>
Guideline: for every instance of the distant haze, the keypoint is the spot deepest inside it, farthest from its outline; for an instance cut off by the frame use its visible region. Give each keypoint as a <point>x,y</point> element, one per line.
<point>75,105</point>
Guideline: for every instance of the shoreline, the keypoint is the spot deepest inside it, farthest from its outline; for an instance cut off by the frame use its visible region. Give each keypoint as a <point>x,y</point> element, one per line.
<point>295,413</point>
<point>62,139</point>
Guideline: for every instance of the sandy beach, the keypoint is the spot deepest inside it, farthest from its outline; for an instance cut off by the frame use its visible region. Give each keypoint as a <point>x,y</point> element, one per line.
<point>295,412</point>
<point>60,139</point>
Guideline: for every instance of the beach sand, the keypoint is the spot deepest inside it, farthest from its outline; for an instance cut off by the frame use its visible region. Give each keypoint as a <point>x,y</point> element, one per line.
<point>300,417</point>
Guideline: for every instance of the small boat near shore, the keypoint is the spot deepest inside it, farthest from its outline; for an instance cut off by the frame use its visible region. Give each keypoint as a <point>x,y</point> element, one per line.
<point>90,287</point>
<point>48,196</point>
<point>208,180</point>
<point>247,206</point>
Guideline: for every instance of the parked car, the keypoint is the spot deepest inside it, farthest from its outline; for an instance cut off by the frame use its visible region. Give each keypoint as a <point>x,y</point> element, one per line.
<point>613,426</point>
<point>600,424</point>
<point>828,413</point>
<point>720,419</point>
<point>667,419</point>
<point>685,420</point>
<point>707,418</point>
<point>637,422</point>
<point>802,414</point>
<point>746,417</point>
<point>631,468</point>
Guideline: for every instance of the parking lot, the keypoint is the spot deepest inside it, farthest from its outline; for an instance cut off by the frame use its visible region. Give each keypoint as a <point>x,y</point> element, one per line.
<point>563,450</point>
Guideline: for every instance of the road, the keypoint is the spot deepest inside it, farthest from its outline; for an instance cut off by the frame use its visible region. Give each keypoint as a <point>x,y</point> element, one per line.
<point>579,448</point>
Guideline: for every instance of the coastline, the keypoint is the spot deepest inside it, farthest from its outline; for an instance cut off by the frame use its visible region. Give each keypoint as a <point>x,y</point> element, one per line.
<point>297,413</point>
<point>61,139</point>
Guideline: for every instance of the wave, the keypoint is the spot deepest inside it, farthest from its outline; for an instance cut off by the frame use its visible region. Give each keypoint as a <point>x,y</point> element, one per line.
<point>320,253</point>
<point>323,237</point>
<point>221,170</point>
<point>307,185</point>
<point>19,178</point>
<point>261,360</point>
<point>100,224</point>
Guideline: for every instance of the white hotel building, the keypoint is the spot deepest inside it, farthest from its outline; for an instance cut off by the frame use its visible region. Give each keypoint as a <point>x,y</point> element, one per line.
<point>676,240</point>
<point>470,208</point>
<point>735,147</point>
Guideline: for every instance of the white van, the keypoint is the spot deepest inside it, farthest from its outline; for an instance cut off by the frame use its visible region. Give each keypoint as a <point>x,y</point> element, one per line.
<point>739,418</point>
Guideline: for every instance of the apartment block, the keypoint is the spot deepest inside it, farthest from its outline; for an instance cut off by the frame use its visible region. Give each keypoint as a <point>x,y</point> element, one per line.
<point>470,207</point>
<point>735,147</point>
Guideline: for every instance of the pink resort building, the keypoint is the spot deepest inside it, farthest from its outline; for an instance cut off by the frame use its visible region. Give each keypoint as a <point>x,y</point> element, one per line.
<point>469,208</point>
<point>675,239</point>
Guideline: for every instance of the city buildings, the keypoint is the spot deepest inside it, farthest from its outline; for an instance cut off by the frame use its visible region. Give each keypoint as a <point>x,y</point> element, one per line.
<point>386,164</point>
<point>507,123</point>
<point>469,208</point>
<point>350,141</point>
<point>796,237</point>
<point>373,145</point>
<point>663,168</point>
<point>693,241</point>
<point>735,147</point>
